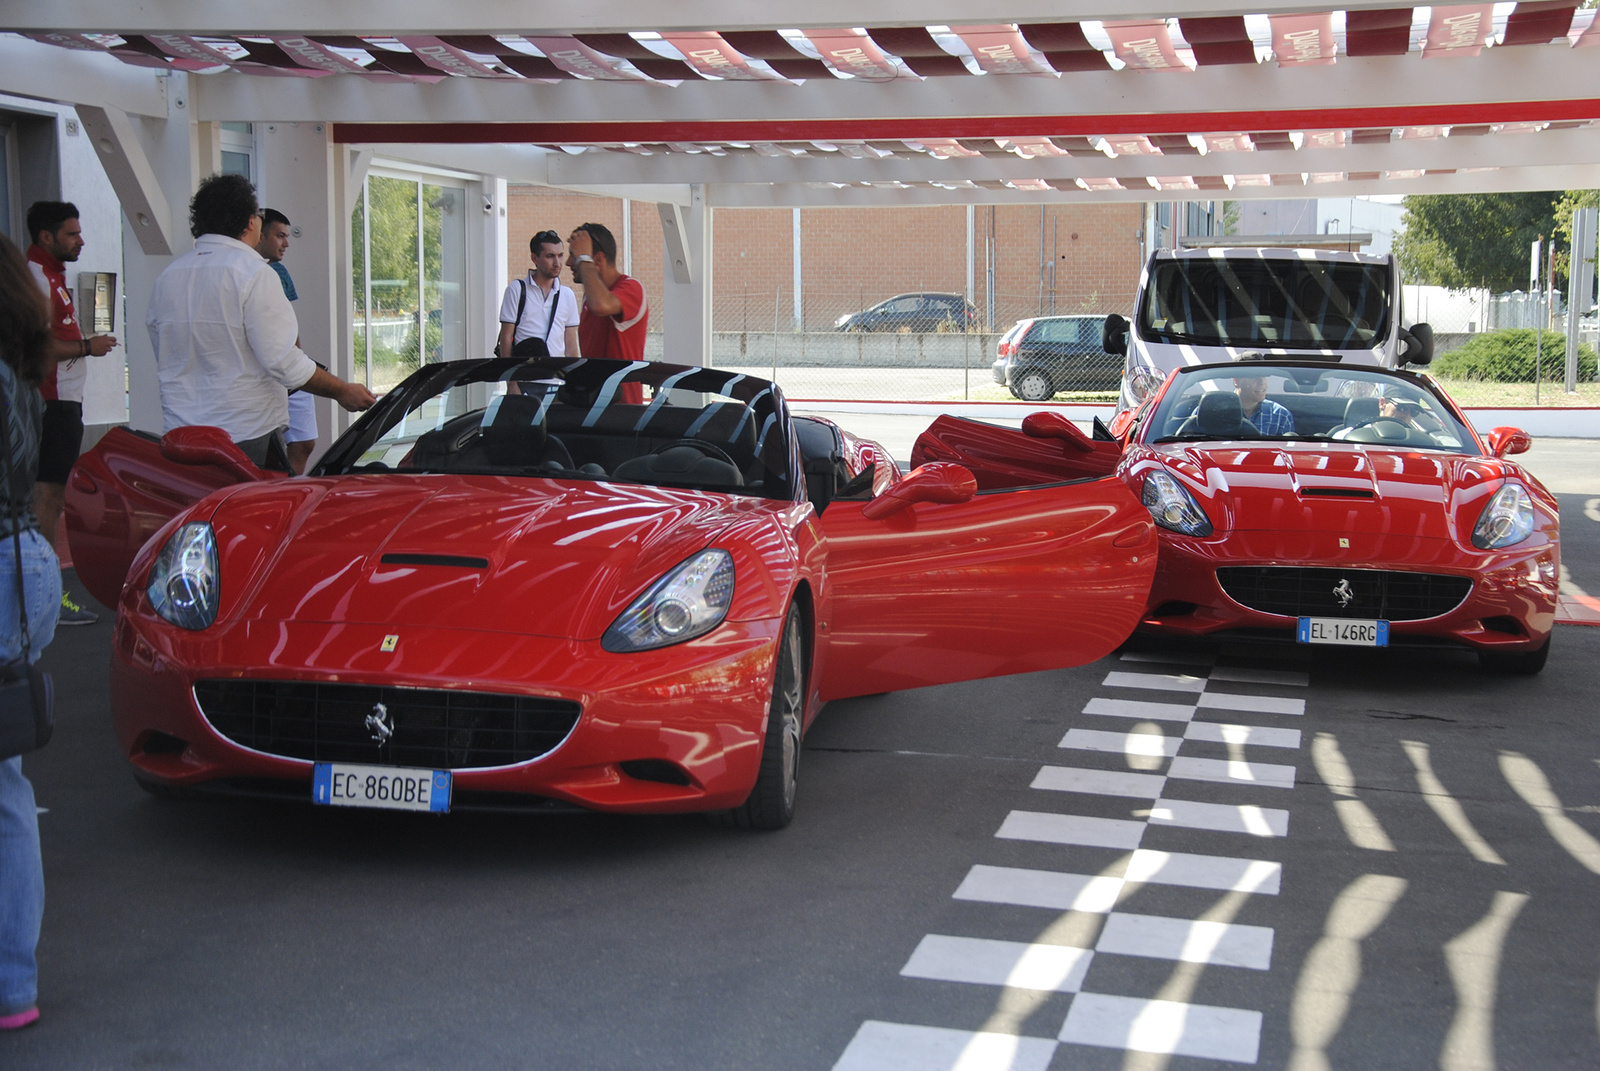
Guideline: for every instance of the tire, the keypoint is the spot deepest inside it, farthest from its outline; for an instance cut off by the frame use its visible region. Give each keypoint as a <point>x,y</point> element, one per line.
<point>1033,385</point>
<point>771,801</point>
<point>1515,665</point>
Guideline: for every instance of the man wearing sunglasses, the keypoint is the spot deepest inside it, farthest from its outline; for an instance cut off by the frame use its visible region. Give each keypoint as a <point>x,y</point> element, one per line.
<point>539,316</point>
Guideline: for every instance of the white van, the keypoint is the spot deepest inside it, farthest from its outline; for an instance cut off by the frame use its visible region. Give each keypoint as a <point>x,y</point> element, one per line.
<point>1199,306</point>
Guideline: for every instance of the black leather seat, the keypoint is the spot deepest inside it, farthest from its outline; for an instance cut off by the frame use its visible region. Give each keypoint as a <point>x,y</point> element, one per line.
<point>1219,416</point>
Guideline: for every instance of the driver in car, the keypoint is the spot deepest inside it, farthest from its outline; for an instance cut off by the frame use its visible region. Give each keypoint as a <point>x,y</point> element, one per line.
<point>1407,411</point>
<point>1268,416</point>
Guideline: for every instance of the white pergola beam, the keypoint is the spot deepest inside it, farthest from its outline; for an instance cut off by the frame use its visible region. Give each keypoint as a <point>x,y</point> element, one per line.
<point>964,106</point>
<point>46,72</point>
<point>530,164</point>
<point>1504,180</point>
<point>133,178</point>
<point>615,16</point>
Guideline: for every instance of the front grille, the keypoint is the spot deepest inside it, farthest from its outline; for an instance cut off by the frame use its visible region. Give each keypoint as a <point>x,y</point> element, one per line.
<point>1373,593</point>
<point>435,728</point>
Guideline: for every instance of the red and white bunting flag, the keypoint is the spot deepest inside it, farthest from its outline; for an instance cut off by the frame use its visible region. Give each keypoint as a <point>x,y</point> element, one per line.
<point>1001,50</point>
<point>1324,139</point>
<point>944,148</point>
<point>1229,143</point>
<point>1303,40</point>
<point>1100,183</point>
<point>1131,145</point>
<point>187,53</point>
<point>575,57</point>
<point>1590,36</point>
<point>1459,30</point>
<point>75,41</point>
<point>854,54</point>
<point>316,56</point>
<point>1029,148</point>
<point>1252,180</point>
<point>448,58</point>
<point>713,57</point>
<point>1144,45</point>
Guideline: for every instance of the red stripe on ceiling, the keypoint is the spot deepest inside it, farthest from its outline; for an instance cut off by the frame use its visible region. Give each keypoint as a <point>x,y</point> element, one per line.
<point>582,133</point>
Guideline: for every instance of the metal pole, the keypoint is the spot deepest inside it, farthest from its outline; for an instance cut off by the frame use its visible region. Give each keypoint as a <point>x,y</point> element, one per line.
<point>366,274</point>
<point>1538,332</point>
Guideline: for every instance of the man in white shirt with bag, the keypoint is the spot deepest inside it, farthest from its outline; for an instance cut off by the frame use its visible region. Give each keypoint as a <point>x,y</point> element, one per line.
<point>538,311</point>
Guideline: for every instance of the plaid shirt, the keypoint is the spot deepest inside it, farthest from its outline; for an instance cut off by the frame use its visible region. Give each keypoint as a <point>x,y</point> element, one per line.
<point>1273,419</point>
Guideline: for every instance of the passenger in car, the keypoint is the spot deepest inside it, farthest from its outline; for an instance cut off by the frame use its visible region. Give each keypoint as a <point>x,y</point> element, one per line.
<point>1268,416</point>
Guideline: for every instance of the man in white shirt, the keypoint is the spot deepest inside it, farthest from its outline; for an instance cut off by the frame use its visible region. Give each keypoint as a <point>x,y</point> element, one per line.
<point>538,309</point>
<point>224,333</point>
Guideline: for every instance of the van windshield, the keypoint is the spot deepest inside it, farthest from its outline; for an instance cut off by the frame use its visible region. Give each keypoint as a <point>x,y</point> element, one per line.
<point>1266,302</point>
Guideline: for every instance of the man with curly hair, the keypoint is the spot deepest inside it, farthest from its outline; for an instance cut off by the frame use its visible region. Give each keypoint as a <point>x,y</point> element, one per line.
<point>224,333</point>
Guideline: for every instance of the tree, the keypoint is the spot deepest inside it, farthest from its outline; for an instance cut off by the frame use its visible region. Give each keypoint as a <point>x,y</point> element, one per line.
<point>1474,239</point>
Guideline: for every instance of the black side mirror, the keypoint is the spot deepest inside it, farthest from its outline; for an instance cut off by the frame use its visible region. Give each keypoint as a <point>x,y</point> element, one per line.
<point>819,482</point>
<point>1418,344</point>
<point>1114,335</point>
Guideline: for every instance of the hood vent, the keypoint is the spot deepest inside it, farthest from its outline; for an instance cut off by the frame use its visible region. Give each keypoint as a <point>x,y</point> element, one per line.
<point>455,560</point>
<point>1335,492</point>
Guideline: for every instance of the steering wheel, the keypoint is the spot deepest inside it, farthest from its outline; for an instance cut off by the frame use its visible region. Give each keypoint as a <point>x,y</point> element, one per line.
<point>708,449</point>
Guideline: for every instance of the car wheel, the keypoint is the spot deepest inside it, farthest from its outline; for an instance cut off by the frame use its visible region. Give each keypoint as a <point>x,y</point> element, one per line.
<point>771,802</point>
<point>1034,386</point>
<point>1515,665</point>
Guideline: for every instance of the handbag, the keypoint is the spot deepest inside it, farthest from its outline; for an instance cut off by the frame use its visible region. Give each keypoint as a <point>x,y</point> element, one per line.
<point>27,693</point>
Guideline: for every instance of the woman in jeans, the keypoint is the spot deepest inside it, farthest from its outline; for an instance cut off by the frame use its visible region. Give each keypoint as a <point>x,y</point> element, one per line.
<point>24,332</point>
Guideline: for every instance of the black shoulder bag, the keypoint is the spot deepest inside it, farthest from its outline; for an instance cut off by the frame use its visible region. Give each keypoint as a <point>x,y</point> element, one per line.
<point>533,346</point>
<point>26,691</point>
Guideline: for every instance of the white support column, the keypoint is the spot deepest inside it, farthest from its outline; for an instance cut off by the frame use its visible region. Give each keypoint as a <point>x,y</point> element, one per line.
<point>169,148</point>
<point>298,166</point>
<point>686,278</point>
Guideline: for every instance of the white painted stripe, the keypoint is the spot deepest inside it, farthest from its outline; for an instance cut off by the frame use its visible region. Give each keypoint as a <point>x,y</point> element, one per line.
<point>979,961</point>
<point>1164,1026</point>
<point>1264,704</point>
<point>1288,677</point>
<point>1160,682</point>
<point>1221,944</point>
<point>1100,782</point>
<point>1171,658</point>
<point>1040,888</point>
<point>880,1046</point>
<point>1071,829</point>
<point>1258,735</point>
<point>1135,708</point>
<point>1204,871</point>
<point>1149,744</point>
<point>1221,817</point>
<point>1232,772</point>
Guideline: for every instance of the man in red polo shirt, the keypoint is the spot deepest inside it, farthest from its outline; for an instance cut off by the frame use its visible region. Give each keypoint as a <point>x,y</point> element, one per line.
<point>615,314</point>
<point>57,241</point>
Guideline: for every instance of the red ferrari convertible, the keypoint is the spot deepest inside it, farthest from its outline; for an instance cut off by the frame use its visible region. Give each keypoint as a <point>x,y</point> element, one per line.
<point>507,584</point>
<point>1325,504</point>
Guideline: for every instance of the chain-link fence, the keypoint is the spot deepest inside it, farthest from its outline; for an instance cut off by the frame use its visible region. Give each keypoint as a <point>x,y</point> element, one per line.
<point>1505,349</point>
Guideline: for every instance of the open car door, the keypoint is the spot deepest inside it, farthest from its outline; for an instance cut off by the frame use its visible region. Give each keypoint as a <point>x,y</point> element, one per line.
<point>1048,449</point>
<point>131,484</point>
<point>934,580</point>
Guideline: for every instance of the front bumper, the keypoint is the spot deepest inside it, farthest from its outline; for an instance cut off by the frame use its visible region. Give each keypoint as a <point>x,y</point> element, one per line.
<point>1510,607</point>
<point>695,710</point>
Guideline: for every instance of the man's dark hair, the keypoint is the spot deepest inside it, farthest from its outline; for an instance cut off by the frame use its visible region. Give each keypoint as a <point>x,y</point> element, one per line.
<point>603,242</point>
<point>222,205</point>
<point>269,216</point>
<point>543,238</point>
<point>49,216</point>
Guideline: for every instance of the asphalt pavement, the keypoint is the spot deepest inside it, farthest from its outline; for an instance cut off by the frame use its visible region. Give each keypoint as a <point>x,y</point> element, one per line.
<point>1184,856</point>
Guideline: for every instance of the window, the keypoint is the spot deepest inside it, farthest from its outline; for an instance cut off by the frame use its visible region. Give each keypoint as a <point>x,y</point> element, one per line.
<point>238,143</point>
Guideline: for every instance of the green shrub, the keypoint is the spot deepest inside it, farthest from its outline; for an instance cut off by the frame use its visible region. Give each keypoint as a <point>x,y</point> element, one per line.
<point>1509,357</point>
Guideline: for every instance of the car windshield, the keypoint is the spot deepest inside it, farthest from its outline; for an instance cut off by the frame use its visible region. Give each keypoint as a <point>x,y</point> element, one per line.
<point>1306,404</point>
<point>1302,303</point>
<point>574,419</point>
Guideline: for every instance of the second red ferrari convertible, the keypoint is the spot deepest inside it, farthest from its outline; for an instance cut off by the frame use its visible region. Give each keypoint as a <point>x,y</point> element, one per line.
<point>1312,502</point>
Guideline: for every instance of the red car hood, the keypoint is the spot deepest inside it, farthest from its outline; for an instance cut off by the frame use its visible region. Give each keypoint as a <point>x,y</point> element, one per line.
<point>1337,487</point>
<point>537,557</point>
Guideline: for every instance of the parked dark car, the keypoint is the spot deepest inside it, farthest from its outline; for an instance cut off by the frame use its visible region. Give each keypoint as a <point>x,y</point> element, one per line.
<point>1045,354</point>
<point>913,312</point>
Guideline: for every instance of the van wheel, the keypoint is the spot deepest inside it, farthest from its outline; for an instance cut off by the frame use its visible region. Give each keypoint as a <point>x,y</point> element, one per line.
<point>1033,386</point>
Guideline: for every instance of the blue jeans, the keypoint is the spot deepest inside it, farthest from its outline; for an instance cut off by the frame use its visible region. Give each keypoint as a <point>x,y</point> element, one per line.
<point>21,871</point>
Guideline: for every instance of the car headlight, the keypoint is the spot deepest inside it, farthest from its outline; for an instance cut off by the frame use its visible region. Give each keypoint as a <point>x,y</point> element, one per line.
<point>1142,383</point>
<point>1507,519</point>
<point>1172,506</point>
<point>183,582</point>
<point>689,601</point>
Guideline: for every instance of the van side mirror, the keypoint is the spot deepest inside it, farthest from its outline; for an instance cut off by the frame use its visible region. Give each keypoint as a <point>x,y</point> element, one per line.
<point>1114,335</point>
<point>937,481</point>
<point>1418,344</point>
